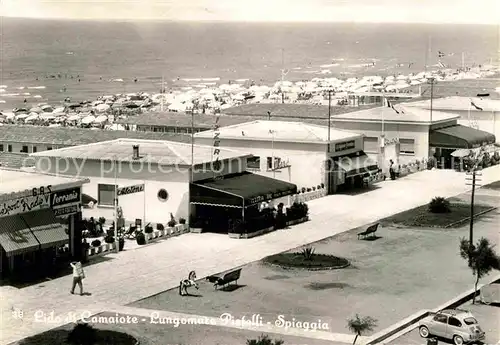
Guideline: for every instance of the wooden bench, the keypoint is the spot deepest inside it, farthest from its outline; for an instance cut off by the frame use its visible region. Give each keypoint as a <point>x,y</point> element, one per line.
<point>369,231</point>
<point>232,276</point>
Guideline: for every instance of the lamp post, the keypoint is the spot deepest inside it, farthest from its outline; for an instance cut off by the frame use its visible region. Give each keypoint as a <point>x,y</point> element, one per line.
<point>271,131</point>
<point>328,166</point>
<point>115,203</point>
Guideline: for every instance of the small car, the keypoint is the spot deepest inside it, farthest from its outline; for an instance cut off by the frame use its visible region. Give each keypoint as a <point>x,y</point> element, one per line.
<point>453,324</point>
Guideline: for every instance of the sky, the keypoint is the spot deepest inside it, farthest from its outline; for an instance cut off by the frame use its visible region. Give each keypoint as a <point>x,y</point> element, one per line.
<point>374,11</point>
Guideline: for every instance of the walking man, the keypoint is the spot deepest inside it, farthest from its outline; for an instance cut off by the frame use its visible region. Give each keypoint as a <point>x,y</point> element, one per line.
<point>78,276</point>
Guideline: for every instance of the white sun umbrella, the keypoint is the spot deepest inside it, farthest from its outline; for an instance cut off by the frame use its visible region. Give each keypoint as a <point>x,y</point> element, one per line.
<point>36,110</point>
<point>101,119</point>
<point>59,110</point>
<point>9,116</point>
<point>74,117</point>
<point>31,118</point>
<point>102,107</point>
<point>87,120</point>
<point>47,116</point>
<point>47,108</point>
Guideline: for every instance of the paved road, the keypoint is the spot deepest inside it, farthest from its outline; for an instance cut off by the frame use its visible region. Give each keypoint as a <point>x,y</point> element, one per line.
<point>135,274</point>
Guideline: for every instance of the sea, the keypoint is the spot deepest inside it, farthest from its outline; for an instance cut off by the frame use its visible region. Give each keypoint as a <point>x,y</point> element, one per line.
<point>50,60</point>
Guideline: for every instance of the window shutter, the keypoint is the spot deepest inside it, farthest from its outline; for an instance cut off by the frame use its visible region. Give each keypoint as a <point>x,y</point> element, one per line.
<point>407,146</point>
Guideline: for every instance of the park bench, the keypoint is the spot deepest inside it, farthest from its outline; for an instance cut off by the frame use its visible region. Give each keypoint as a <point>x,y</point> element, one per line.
<point>369,231</point>
<point>225,279</point>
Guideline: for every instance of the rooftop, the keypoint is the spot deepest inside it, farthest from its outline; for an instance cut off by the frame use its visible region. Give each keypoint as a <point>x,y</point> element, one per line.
<point>14,181</point>
<point>413,115</point>
<point>151,151</point>
<point>15,160</point>
<point>288,110</point>
<point>204,121</point>
<point>76,136</point>
<point>458,103</point>
<point>284,131</point>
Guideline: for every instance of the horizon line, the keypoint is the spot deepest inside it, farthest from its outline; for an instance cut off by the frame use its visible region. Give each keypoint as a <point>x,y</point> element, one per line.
<point>246,21</point>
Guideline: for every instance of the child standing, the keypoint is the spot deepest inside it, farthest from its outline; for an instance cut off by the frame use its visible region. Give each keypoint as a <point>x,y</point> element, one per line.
<point>78,276</point>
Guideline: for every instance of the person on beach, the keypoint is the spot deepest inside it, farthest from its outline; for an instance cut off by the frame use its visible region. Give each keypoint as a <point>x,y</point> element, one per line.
<point>78,276</point>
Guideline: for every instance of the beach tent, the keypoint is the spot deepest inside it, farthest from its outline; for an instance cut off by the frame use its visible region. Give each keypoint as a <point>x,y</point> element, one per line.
<point>73,118</point>
<point>59,110</point>
<point>102,108</point>
<point>101,119</point>
<point>47,116</point>
<point>32,117</point>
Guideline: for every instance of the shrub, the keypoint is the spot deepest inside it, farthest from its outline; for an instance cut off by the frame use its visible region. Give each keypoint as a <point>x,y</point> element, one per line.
<point>160,226</point>
<point>322,185</point>
<point>439,205</point>
<point>83,334</point>
<point>303,189</point>
<point>318,187</point>
<point>182,221</point>
<point>95,243</point>
<point>140,238</point>
<point>148,229</point>
<point>297,210</point>
<point>313,188</point>
<point>308,189</point>
<point>102,220</point>
<point>307,253</point>
<point>109,239</point>
<point>264,340</point>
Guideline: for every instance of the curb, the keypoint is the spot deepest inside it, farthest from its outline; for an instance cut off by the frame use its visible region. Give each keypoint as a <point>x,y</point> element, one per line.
<point>407,325</point>
<point>468,218</point>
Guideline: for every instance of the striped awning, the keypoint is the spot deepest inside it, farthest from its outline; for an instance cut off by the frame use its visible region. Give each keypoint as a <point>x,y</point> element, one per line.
<point>212,204</point>
<point>16,237</point>
<point>46,228</point>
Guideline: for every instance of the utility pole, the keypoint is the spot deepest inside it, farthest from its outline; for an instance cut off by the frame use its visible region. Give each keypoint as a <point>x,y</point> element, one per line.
<point>328,163</point>
<point>471,180</point>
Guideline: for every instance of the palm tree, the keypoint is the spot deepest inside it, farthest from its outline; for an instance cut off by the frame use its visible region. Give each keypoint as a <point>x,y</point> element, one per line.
<point>359,325</point>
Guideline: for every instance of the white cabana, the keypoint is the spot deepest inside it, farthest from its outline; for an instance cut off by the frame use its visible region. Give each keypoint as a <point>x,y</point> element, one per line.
<point>101,108</point>
<point>101,119</point>
<point>32,117</point>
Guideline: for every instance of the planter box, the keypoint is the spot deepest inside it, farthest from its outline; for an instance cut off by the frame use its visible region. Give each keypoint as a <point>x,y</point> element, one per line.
<point>297,221</point>
<point>102,249</point>
<point>253,234</point>
<point>197,230</point>
<point>307,196</point>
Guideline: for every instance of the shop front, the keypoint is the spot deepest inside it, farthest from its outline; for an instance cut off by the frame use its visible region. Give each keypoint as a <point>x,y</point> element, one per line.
<point>349,167</point>
<point>444,141</point>
<point>35,226</point>
<point>230,204</point>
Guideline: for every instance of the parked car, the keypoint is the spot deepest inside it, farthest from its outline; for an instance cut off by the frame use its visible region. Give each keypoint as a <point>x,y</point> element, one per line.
<point>453,324</point>
<point>490,293</point>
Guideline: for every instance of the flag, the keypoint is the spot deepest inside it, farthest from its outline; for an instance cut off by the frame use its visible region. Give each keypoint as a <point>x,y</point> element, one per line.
<point>441,54</point>
<point>442,65</point>
<point>475,106</point>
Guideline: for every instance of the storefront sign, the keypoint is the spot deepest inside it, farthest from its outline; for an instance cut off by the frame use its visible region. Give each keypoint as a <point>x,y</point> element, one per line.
<point>26,204</point>
<point>269,196</point>
<point>64,197</point>
<point>346,145</point>
<point>216,152</point>
<point>391,141</point>
<point>41,190</point>
<point>130,189</point>
<point>66,210</point>
<point>281,165</point>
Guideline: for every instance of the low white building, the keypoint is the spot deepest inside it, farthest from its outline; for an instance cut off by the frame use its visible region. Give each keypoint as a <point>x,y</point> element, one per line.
<point>476,112</point>
<point>420,133</point>
<point>290,151</point>
<point>162,167</point>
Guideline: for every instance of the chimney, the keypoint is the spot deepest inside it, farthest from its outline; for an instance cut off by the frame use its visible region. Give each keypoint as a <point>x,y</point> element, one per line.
<point>135,150</point>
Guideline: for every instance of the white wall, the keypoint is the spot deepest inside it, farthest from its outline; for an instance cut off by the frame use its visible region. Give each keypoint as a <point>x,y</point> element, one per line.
<point>176,183</point>
<point>419,133</point>
<point>306,160</point>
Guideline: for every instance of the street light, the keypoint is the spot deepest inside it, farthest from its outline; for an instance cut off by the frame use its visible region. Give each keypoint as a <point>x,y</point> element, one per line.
<point>271,131</point>
<point>328,167</point>
<point>432,82</point>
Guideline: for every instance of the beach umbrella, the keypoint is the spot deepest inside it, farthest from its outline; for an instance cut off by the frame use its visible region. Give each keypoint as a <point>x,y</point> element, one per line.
<point>59,110</point>
<point>47,116</point>
<point>88,120</point>
<point>31,117</point>
<point>20,110</point>
<point>47,108</point>
<point>73,118</point>
<point>102,107</point>
<point>101,119</point>
<point>73,105</point>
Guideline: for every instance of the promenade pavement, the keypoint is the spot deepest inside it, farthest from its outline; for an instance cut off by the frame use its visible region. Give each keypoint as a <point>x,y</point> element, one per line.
<point>139,273</point>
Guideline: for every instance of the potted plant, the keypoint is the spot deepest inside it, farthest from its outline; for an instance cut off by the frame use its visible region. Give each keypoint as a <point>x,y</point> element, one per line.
<point>171,223</point>
<point>109,239</point>
<point>140,238</point>
<point>148,229</point>
<point>160,227</point>
<point>95,243</point>
<point>182,221</point>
